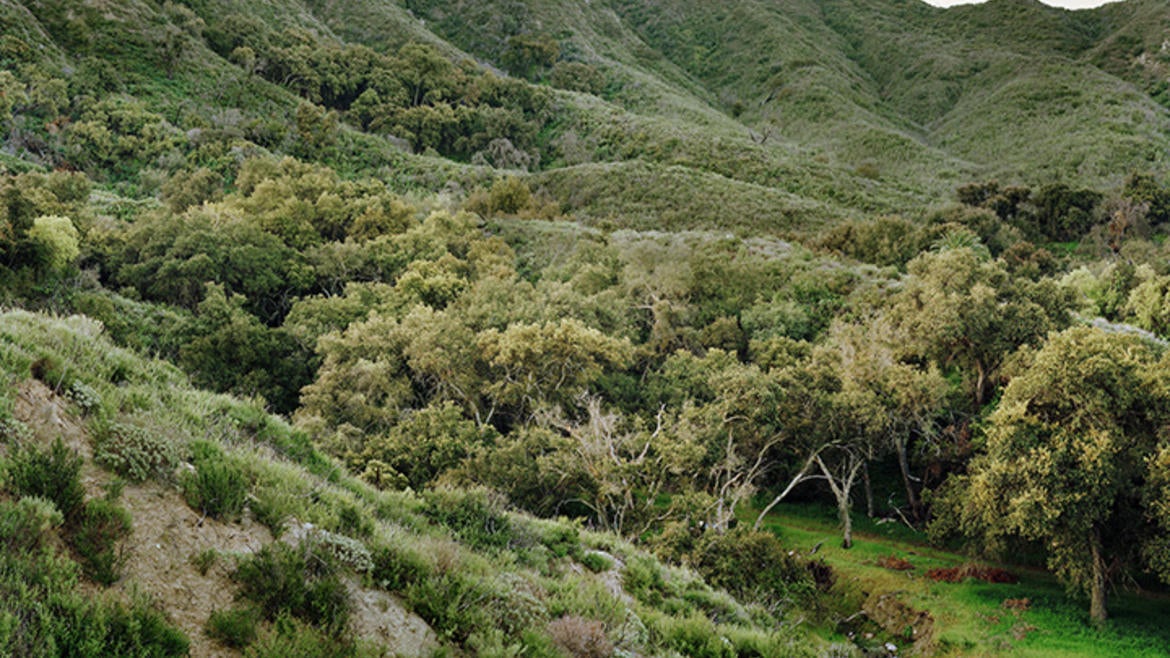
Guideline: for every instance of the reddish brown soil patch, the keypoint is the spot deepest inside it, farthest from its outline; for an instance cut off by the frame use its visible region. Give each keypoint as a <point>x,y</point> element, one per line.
<point>894,563</point>
<point>973,571</point>
<point>1017,605</point>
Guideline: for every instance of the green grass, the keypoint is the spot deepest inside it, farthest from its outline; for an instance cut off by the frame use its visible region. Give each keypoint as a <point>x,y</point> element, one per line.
<point>970,619</point>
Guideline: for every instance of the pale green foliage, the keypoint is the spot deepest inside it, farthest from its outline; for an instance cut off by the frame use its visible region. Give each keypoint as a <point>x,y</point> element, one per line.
<point>11,93</point>
<point>362,381</point>
<point>1066,451</point>
<point>509,196</point>
<point>552,362</point>
<point>958,307</point>
<point>347,551</point>
<point>1149,304</point>
<point>135,451</point>
<point>59,239</point>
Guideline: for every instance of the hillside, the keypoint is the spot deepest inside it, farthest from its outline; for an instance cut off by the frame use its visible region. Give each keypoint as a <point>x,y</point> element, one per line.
<point>574,330</point>
<point>836,106</point>
<point>416,572</point>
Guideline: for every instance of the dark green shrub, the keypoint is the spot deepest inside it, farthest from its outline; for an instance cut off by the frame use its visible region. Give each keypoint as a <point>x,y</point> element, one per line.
<point>694,636</point>
<point>52,474</point>
<point>596,562</point>
<point>296,581</point>
<point>290,638</point>
<point>752,565</point>
<point>204,560</point>
<point>396,569</point>
<point>351,521</point>
<point>141,630</point>
<point>562,540</point>
<point>96,538</point>
<point>234,628</point>
<point>644,580</point>
<point>451,604</point>
<point>475,516</point>
<point>24,525</point>
<point>219,485</point>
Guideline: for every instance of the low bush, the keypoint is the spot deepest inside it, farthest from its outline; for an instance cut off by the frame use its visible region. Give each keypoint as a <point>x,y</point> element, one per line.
<point>235,628</point>
<point>561,539</point>
<point>219,486</point>
<point>583,596</point>
<point>53,474</point>
<point>694,636</point>
<point>204,560</point>
<point>580,638</point>
<point>297,581</point>
<point>345,551</point>
<point>44,616</point>
<point>135,452</point>
<point>475,516</point>
<point>97,537</point>
<point>352,522</point>
<point>24,525</point>
<point>753,566</point>
<point>272,508</point>
<point>141,630</point>
<point>290,638</point>
<point>397,568</point>
<point>596,562</point>
<point>84,396</point>
<point>645,580</point>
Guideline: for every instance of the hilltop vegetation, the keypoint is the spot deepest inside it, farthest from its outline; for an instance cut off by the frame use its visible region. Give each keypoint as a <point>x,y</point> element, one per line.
<point>519,320</point>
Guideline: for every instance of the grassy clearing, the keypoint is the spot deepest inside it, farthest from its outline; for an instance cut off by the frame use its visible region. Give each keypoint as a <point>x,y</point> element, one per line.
<point>970,617</point>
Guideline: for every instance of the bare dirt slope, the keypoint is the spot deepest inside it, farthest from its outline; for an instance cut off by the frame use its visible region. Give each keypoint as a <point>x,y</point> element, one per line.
<point>168,534</point>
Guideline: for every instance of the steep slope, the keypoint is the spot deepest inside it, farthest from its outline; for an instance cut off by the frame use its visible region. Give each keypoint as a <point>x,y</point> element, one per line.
<point>403,573</point>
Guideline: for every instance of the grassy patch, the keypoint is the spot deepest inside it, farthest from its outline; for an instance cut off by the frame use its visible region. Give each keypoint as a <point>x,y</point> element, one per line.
<point>970,617</point>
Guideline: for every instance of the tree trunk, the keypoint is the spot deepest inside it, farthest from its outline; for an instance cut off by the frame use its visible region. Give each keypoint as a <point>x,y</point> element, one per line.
<point>791,485</point>
<point>1097,605</point>
<point>980,382</point>
<point>911,495</point>
<point>846,522</point>
<point>841,486</point>
<point>868,491</point>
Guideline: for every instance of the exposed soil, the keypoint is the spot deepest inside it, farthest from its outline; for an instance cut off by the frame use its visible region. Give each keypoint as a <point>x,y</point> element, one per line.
<point>168,534</point>
<point>973,571</point>
<point>899,619</point>
<point>48,416</point>
<point>894,563</point>
<point>379,617</point>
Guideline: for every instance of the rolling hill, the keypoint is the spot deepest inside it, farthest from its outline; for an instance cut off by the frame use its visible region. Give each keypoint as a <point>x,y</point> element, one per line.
<point>823,109</point>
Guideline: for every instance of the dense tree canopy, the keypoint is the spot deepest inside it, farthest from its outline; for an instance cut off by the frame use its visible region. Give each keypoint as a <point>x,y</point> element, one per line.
<point>1070,449</point>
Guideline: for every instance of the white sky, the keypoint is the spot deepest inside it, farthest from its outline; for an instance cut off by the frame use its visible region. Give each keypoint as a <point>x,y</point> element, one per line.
<point>1067,4</point>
